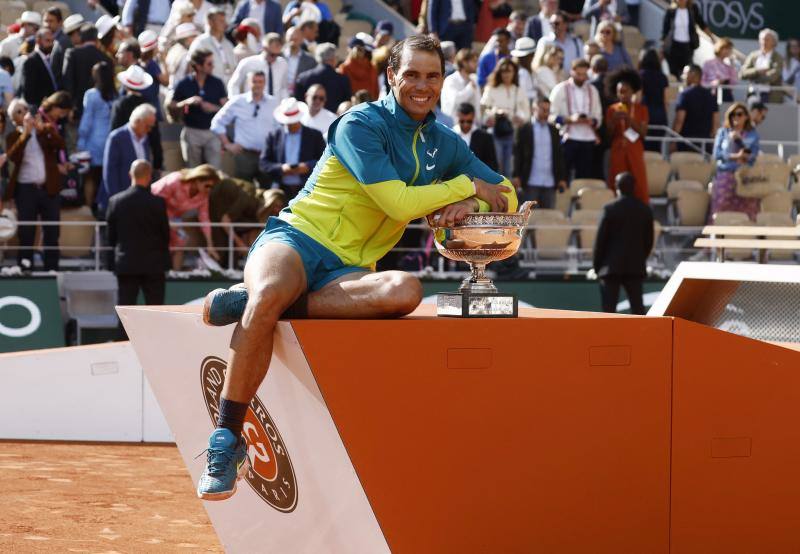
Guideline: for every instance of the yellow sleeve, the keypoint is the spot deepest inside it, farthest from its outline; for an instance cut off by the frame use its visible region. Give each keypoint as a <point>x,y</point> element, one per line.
<point>403,203</point>
<point>513,203</point>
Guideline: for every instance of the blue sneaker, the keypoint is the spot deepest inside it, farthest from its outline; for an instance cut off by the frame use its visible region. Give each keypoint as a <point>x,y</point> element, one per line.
<point>227,463</point>
<point>224,306</point>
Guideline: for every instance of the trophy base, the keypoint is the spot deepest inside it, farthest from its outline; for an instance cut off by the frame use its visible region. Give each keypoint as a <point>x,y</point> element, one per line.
<point>466,304</point>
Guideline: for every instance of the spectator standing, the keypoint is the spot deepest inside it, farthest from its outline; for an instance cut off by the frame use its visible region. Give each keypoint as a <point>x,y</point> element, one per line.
<point>247,39</point>
<point>610,46</point>
<point>317,116</point>
<point>539,166</point>
<point>38,80</point>
<point>72,31</point>
<point>292,150</point>
<point>29,24</point>
<point>462,85</point>
<point>488,61</point>
<point>538,25</point>
<point>6,86</point>
<point>177,60</point>
<point>95,125</point>
<point>452,20</point>
<point>679,34</point>
<point>138,15</point>
<point>135,81</point>
<point>78,65</point>
<point>449,51</point>
<point>623,244</point>
<point>53,19</point>
<point>696,111</point>
<point>598,72</point>
<point>138,234</point>
<point>252,119</point>
<point>577,109</point>
<point>35,182</point>
<point>720,71</point>
<point>791,69</point>
<point>108,32</point>
<point>548,70</point>
<point>758,110</point>
<point>337,86</point>
<point>515,26</point>
<point>298,59</point>
<point>384,34</point>
<point>186,194</point>
<point>359,69</point>
<point>654,95</point>
<point>506,107</point>
<point>479,141</point>
<point>736,145</point>
<point>571,45</point>
<point>125,145</point>
<point>199,96</point>
<point>184,11</point>
<point>266,12</point>
<point>214,40</point>
<point>764,68</point>
<point>270,61</point>
<point>627,122</point>
<point>522,54</point>
<point>611,11</point>
<point>148,44</point>
<point>309,30</point>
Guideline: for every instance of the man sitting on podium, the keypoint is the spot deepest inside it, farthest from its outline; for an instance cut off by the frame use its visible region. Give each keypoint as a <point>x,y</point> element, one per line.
<point>387,163</point>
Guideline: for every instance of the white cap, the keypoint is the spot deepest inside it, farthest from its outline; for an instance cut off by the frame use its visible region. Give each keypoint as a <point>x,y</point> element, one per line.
<point>186,30</point>
<point>73,23</point>
<point>523,46</point>
<point>105,23</point>
<point>290,111</point>
<point>148,40</point>
<point>34,18</point>
<point>366,38</point>
<point>135,78</point>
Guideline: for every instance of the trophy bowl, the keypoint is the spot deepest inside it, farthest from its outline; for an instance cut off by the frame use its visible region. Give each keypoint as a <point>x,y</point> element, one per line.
<point>479,239</point>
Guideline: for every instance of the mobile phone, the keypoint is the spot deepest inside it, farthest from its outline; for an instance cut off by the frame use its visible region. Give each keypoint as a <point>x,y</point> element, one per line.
<point>293,165</point>
<point>582,115</point>
<point>747,151</point>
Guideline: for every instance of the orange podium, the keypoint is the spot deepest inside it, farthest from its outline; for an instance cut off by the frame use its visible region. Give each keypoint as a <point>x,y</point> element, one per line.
<point>556,432</point>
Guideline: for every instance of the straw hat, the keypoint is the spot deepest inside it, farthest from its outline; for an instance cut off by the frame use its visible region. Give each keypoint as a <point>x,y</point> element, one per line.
<point>148,40</point>
<point>73,23</point>
<point>135,78</point>
<point>290,111</point>
<point>201,172</point>
<point>523,47</point>
<point>33,18</point>
<point>8,224</point>
<point>186,30</point>
<point>105,24</point>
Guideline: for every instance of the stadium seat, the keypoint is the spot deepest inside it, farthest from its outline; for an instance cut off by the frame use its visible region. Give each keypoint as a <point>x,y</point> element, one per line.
<point>770,219</point>
<point>691,207</point>
<point>649,155</point>
<point>335,6</point>
<point>682,184</point>
<point>658,172</point>
<point>778,203</point>
<point>563,202</point>
<point>656,234</point>
<point>767,157</point>
<point>633,39</point>
<point>588,219</point>
<point>11,12</point>
<point>577,184</point>
<point>594,199</point>
<point>695,171</point>
<point>76,241</point>
<point>678,158</point>
<point>734,218</point>
<point>91,297</point>
<point>551,243</point>
<point>352,27</point>
<point>778,172</point>
<point>581,30</point>
<point>173,160</point>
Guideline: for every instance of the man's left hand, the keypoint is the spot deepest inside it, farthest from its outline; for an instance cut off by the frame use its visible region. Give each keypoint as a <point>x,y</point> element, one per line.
<point>453,213</point>
<point>302,169</point>
<point>562,186</point>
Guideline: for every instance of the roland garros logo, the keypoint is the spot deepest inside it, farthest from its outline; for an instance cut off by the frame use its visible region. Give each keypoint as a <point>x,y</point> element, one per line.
<point>270,474</point>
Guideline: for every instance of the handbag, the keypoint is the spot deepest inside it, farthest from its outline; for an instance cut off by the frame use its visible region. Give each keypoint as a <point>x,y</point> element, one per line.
<point>761,179</point>
<point>71,192</point>
<point>502,124</point>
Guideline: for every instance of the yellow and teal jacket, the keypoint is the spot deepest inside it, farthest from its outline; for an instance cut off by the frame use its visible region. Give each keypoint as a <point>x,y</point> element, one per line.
<point>381,170</point>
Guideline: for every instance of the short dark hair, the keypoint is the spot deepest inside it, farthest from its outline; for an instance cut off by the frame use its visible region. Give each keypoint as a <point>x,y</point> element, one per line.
<point>7,64</point>
<point>199,56</point>
<point>465,108</point>
<point>626,183</point>
<point>649,60</point>
<point>541,99</point>
<point>694,68</point>
<point>131,45</point>
<point>55,11</point>
<point>755,103</point>
<point>424,43</point>
<point>502,31</point>
<point>578,63</point>
<point>88,32</point>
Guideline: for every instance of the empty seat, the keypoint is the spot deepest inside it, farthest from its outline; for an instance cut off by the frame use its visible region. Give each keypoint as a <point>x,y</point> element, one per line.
<point>682,184</point>
<point>551,233</point>
<point>563,202</point>
<point>586,222</point>
<point>76,241</point>
<point>577,184</point>
<point>771,219</point>
<point>90,299</point>
<point>691,207</point>
<point>594,199</point>
<point>633,39</point>
<point>778,203</point>
<point>658,172</point>
<point>649,155</point>
<point>767,157</point>
<point>352,27</point>
<point>734,218</point>
<point>677,158</point>
<point>695,171</point>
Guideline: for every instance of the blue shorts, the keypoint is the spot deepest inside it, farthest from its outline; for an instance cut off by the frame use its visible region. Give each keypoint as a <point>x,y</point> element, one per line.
<point>322,266</point>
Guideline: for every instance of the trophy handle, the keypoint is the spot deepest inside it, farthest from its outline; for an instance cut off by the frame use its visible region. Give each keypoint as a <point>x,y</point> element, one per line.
<point>526,208</point>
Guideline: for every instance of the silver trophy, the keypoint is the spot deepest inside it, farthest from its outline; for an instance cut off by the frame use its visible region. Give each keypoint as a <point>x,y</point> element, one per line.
<point>478,239</point>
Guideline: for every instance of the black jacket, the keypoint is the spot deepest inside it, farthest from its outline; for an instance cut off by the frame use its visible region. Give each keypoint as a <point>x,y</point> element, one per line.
<point>312,145</point>
<point>337,86</point>
<point>482,145</point>
<point>624,239</point>
<point>77,72</point>
<point>57,60</point>
<point>524,150</point>
<point>668,27</point>
<point>138,232</point>
<point>36,84</point>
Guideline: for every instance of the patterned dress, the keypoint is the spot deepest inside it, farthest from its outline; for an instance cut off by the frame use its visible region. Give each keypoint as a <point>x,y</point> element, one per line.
<point>723,192</point>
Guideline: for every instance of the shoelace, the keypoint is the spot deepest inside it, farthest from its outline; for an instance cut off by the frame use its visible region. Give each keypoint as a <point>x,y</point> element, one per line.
<point>217,459</point>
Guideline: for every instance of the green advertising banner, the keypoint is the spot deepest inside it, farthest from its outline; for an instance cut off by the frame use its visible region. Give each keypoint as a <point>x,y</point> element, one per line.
<point>745,18</point>
<point>30,314</point>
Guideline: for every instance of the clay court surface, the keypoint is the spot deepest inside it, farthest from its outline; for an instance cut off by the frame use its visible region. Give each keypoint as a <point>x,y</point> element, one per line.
<point>75,497</point>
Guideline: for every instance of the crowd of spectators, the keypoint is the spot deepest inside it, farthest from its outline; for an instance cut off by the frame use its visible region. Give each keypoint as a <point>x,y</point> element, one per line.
<point>262,84</point>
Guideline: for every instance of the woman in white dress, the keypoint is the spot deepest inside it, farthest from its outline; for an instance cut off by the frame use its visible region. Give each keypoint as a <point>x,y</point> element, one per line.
<point>549,73</point>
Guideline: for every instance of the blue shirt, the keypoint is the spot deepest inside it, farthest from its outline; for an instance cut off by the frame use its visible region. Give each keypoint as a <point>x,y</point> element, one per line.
<point>95,125</point>
<point>291,152</point>
<point>157,14</point>
<point>542,166</point>
<point>486,65</point>
<point>724,146</point>
<point>213,91</point>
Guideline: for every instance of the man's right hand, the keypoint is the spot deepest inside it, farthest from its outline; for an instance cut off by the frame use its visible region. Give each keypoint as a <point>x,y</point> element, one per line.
<point>455,212</point>
<point>287,169</point>
<point>492,194</point>
<point>233,148</point>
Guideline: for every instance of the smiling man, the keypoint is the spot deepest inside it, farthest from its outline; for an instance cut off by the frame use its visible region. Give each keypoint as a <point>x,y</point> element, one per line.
<point>386,163</point>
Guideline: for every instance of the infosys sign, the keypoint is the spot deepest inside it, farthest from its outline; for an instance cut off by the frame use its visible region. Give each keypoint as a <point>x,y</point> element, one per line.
<point>745,18</point>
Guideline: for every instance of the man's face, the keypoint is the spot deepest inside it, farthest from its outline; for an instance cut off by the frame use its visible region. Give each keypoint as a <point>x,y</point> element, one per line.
<point>29,29</point>
<point>757,117</point>
<point>517,27</point>
<point>418,82</point>
<point>257,84</point>
<point>143,126</point>
<point>502,44</point>
<point>541,111</point>
<point>550,6</point>
<point>45,42</point>
<point>310,32</point>
<point>580,75</point>
<point>557,23</point>
<point>294,37</point>
<point>689,76</point>
<point>274,48</point>
<point>294,127</point>
<point>207,68</point>
<point>51,22</point>
<point>75,38</point>
<point>465,122</point>
<point>316,98</point>
<point>217,23</point>
<point>125,58</point>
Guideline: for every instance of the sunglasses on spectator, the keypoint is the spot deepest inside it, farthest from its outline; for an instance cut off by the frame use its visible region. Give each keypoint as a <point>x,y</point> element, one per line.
<point>255,111</point>
<point>320,98</point>
<point>738,114</point>
<point>605,32</point>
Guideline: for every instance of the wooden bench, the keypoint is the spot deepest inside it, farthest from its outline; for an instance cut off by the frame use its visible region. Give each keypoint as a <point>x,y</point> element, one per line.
<point>748,237</point>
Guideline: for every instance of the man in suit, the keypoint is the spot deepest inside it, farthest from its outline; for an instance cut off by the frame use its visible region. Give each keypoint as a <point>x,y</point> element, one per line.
<point>452,20</point>
<point>72,31</point>
<point>138,233</point>
<point>624,241</point>
<point>337,86</point>
<point>299,60</point>
<point>266,12</point>
<point>124,146</point>
<point>538,25</point>
<point>480,142</point>
<point>293,150</point>
<point>539,166</point>
<point>38,81</point>
<point>78,64</point>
